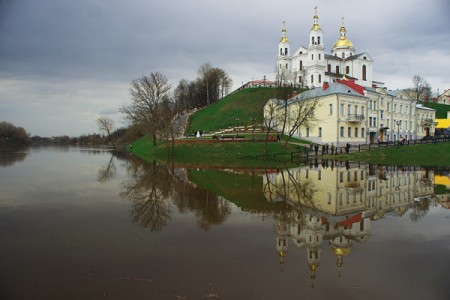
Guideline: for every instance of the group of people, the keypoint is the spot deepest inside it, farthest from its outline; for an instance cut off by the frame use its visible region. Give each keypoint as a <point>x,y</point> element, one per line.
<point>326,149</point>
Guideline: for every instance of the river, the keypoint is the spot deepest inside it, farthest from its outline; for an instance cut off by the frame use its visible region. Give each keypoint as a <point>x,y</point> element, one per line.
<point>81,223</point>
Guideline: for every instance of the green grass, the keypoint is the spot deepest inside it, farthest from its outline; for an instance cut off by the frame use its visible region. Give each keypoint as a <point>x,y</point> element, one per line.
<point>245,105</point>
<point>441,109</point>
<point>218,154</point>
<point>417,155</point>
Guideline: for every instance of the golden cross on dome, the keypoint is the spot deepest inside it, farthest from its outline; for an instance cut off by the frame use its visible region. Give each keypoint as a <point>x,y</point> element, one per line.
<point>342,21</point>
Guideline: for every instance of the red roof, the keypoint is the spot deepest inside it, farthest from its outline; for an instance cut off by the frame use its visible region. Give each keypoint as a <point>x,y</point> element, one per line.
<point>351,84</point>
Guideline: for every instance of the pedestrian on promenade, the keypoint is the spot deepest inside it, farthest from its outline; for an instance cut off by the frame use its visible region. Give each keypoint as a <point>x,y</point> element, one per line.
<point>332,148</point>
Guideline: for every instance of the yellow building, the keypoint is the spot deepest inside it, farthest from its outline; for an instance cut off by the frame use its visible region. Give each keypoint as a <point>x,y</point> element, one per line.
<point>345,112</point>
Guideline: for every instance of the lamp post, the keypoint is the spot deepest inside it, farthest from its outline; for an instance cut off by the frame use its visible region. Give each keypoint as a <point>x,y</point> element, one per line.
<point>253,125</point>
<point>398,129</point>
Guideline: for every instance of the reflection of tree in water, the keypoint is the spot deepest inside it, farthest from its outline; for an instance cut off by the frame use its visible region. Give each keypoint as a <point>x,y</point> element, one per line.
<point>9,156</point>
<point>419,209</point>
<point>207,206</point>
<point>291,188</point>
<point>155,188</point>
<point>108,172</point>
<point>148,194</point>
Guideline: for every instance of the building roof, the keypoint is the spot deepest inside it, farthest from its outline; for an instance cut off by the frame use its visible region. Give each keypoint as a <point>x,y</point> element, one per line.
<point>333,88</point>
<point>348,58</point>
<point>421,106</point>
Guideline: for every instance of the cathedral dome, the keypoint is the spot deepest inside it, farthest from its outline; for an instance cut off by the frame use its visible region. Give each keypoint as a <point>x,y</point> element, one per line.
<point>343,43</point>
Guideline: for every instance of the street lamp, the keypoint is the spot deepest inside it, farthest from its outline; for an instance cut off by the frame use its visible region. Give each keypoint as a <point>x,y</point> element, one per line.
<point>253,124</point>
<point>398,129</point>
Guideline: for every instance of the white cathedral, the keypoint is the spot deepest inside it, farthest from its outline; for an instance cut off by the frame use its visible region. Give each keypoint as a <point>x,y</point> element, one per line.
<point>310,66</point>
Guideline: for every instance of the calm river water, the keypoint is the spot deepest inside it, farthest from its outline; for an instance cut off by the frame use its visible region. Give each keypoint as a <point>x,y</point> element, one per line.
<point>79,223</point>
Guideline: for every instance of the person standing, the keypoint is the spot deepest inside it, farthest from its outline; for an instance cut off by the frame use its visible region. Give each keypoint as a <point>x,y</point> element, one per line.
<point>332,148</point>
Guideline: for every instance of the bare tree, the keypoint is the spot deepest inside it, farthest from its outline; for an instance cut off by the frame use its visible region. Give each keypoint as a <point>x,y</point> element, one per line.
<point>106,125</point>
<point>301,115</point>
<point>421,89</point>
<point>147,94</point>
<point>269,119</point>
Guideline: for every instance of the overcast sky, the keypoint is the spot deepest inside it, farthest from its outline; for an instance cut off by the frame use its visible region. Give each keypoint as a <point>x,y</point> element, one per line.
<point>64,63</point>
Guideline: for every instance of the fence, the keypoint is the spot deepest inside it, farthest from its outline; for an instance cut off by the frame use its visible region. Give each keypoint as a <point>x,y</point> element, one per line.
<point>304,154</point>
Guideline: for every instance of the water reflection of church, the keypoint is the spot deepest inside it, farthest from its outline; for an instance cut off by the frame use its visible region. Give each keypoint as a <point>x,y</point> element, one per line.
<point>336,202</point>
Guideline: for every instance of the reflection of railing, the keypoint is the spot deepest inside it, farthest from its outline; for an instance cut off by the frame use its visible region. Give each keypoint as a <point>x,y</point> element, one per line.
<point>354,186</point>
<point>355,118</point>
<point>426,181</point>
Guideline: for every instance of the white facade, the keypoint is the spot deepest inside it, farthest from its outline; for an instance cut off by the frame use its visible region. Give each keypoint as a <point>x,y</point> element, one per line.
<point>310,66</point>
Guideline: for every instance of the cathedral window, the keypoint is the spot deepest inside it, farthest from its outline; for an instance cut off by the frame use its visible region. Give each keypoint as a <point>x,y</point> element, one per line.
<point>312,40</point>
<point>364,72</point>
<point>331,109</point>
<point>337,69</point>
<point>319,56</point>
<point>318,40</point>
<point>281,51</point>
<point>286,66</point>
<point>312,56</point>
<point>347,69</point>
<point>320,78</point>
<point>312,78</point>
<point>343,55</point>
<point>285,51</point>
<point>329,68</point>
<point>301,65</point>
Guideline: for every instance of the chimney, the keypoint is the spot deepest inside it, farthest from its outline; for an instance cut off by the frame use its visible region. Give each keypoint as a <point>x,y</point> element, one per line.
<point>325,85</point>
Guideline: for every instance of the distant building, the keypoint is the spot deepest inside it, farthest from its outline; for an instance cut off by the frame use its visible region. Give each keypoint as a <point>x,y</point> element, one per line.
<point>444,98</point>
<point>310,66</point>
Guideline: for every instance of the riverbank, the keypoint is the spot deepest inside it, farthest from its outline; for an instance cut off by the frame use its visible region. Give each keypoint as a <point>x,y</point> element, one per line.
<point>250,154</point>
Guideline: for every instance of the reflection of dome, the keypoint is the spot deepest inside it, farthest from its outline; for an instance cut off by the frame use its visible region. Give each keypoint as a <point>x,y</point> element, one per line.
<point>340,252</point>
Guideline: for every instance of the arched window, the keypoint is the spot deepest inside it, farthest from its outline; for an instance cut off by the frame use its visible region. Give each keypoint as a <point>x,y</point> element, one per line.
<point>318,40</point>
<point>312,40</point>
<point>312,56</point>
<point>312,78</point>
<point>364,72</point>
<point>285,51</point>
<point>347,69</point>
<point>281,51</point>
<point>286,66</point>
<point>319,56</point>
<point>301,65</point>
<point>337,69</point>
<point>320,78</point>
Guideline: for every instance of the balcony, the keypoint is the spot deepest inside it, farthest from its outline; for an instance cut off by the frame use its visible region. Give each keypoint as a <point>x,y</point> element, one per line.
<point>355,118</point>
<point>427,122</point>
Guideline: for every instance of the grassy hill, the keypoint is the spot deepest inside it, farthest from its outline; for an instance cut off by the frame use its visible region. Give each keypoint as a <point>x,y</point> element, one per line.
<point>441,109</point>
<point>239,108</point>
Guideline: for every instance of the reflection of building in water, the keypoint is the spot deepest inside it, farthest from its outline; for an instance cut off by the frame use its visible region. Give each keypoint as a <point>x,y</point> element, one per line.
<point>443,199</point>
<point>336,202</point>
<point>339,189</point>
